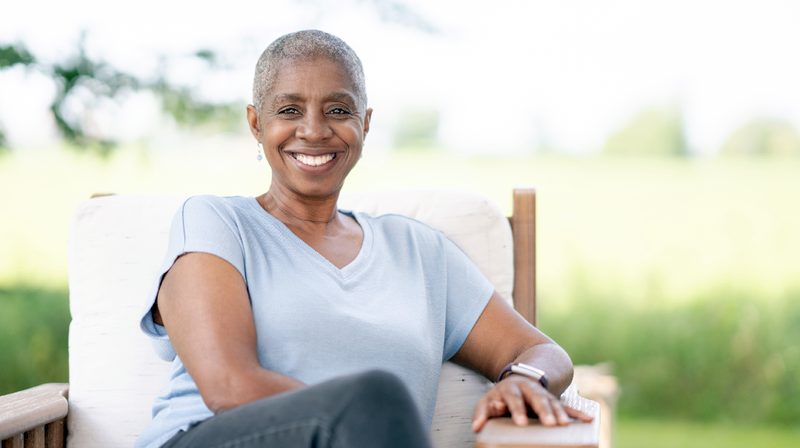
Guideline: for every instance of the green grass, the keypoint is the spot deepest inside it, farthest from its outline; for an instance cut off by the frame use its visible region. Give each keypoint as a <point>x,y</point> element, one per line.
<point>673,434</point>
<point>722,357</point>
<point>33,338</point>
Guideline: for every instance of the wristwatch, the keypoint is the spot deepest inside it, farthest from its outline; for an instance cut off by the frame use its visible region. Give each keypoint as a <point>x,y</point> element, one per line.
<point>524,370</point>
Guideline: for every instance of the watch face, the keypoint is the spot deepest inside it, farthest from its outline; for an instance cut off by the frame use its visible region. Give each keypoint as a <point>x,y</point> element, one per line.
<point>524,370</point>
<point>529,371</point>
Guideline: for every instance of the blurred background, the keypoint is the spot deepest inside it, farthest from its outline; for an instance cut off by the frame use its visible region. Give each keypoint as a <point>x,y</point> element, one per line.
<point>662,137</point>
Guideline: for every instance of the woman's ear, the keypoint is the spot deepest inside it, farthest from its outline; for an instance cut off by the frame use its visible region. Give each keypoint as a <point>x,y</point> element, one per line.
<point>367,118</point>
<point>252,121</point>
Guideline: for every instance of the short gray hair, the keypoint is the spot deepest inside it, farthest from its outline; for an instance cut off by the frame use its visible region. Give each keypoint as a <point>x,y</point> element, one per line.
<point>303,45</point>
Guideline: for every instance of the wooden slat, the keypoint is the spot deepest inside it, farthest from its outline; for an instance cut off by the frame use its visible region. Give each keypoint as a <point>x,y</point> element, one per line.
<point>55,434</point>
<point>35,437</point>
<point>523,224</point>
<point>28,409</point>
<point>17,441</point>
<point>503,433</point>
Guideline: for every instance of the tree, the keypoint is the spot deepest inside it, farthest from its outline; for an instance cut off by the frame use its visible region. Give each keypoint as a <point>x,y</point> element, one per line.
<point>763,137</point>
<point>86,82</point>
<point>9,57</point>
<point>417,129</point>
<point>653,132</point>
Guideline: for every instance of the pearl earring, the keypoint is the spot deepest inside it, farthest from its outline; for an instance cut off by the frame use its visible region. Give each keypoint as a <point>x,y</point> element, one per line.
<point>259,156</point>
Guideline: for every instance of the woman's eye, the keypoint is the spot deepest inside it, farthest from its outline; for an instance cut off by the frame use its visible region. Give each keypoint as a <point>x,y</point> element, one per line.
<point>289,111</point>
<point>339,111</point>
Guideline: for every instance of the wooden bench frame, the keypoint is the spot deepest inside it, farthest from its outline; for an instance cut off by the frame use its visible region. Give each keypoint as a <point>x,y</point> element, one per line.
<point>35,418</point>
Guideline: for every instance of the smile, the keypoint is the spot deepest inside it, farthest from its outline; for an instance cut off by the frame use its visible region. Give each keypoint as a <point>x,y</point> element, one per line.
<point>313,160</point>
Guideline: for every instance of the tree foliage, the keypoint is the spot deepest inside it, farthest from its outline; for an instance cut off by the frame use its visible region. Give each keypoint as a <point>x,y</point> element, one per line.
<point>96,78</point>
<point>763,137</point>
<point>417,129</point>
<point>83,84</point>
<point>9,57</point>
<point>653,132</point>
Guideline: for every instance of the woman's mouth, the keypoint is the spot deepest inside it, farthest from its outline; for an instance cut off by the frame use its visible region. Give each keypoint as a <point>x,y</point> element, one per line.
<point>313,160</point>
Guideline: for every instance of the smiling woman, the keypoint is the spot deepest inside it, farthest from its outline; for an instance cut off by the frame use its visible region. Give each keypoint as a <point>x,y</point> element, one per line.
<point>292,323</point>
<point>312,126</point>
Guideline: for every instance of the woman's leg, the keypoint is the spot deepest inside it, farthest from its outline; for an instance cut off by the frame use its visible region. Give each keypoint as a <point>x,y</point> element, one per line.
<point>371,409</point>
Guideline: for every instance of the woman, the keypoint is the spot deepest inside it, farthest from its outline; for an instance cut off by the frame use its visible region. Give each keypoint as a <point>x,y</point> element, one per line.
<point>297,324</point>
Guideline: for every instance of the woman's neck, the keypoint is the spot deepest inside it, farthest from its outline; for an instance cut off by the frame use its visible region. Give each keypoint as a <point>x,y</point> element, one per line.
<point>297,211</point>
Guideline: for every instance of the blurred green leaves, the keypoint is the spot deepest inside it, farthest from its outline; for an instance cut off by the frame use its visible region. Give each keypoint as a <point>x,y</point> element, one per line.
<point>84,86</point>
<point>11,55</point>
<point>726,356</point>
<point>763,137</point>
<point>653,132</point>
<point>417,129</point>
<point>90,81</point>
<point>34,324</point>
<point>659,132</point>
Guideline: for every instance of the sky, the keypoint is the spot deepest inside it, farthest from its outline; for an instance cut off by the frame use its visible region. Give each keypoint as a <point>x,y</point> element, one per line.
<point>507,77</point>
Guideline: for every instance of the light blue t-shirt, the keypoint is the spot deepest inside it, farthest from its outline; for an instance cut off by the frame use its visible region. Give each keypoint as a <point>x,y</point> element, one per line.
<point>405,304</point>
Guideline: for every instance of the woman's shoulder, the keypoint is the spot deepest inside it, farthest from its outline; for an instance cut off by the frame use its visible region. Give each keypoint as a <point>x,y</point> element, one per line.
<point>209,211</point>
<point>213,201</point>
<point>208,203</point>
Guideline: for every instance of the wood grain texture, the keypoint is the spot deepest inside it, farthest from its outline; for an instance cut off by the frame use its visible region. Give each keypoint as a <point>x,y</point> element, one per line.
<point>523,224</point>
<point>31,408</point>
<point>17,441</point>
<point>55,434</point>
<point>35,437</point>
<point>503,433</point>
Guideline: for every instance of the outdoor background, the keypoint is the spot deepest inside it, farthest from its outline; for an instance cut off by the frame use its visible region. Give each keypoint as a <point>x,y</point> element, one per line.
<point>662,138</point>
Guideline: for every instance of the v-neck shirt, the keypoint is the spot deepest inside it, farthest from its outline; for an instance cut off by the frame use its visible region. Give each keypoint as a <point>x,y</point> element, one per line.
<point>282,231</point>
<point>405,304</point>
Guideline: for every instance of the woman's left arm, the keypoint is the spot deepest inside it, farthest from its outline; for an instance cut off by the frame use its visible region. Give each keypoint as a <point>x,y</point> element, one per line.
<point>501,336</point>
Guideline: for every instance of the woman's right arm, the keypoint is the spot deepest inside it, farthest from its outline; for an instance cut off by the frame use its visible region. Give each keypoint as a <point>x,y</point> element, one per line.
<point>205,308</point>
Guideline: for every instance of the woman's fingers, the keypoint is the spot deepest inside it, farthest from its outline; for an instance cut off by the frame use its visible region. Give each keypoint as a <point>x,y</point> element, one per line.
<point>489,406</point>
<point>480,416</point>
<point>548,408</point>
<point>580,415</point>
<point>553,412</point>
<point>515,401</point>
<point>543,409</point>
<point>515,396</point>
<point>562,419</point>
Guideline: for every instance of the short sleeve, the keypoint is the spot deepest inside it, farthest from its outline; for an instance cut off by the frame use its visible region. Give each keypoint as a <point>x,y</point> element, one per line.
<point>468,293</point>
<point>202,224</point>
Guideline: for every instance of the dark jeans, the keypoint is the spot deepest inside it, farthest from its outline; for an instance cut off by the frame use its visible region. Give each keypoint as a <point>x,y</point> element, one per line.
<point>371,409</point>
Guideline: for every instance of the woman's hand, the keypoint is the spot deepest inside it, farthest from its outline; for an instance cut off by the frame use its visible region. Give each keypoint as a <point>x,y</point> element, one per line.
<point>515,394</point>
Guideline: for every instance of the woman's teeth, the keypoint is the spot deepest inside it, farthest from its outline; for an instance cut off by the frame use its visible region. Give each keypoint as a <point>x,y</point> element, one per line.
<point>314,160</point>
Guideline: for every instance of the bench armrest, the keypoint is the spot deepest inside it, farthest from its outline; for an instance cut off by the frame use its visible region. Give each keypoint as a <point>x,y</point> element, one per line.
<point>32,408</point>
<point>502,433</point>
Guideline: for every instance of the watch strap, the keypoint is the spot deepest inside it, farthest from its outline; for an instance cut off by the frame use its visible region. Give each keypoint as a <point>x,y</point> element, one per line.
<point>524,370</point>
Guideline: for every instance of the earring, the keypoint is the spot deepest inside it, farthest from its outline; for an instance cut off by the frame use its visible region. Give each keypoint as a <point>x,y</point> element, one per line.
<point>259,156</point>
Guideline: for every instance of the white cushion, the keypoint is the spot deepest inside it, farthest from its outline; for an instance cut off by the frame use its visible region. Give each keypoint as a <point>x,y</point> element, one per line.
<point>116,245</point>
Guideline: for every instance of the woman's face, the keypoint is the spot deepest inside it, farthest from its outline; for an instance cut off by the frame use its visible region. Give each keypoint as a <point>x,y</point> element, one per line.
<point>311,126</point>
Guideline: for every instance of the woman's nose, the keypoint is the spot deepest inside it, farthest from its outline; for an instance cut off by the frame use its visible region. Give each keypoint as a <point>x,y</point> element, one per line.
<point>313,127</point>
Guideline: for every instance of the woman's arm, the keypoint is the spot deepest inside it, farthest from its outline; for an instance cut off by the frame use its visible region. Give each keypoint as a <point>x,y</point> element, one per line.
<point>205,308</point>
<point>501,336</point>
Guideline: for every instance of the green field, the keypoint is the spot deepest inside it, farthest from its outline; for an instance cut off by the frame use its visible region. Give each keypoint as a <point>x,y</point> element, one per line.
<point>685,274</point>
<point>674,434</point>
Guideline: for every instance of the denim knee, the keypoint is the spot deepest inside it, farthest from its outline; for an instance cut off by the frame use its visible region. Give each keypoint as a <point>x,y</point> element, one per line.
<point>381,390</point>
